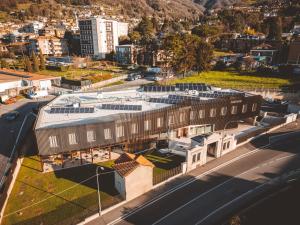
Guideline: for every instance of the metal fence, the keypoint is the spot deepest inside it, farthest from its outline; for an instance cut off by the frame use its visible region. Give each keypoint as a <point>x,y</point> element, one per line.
<point>158,178</point>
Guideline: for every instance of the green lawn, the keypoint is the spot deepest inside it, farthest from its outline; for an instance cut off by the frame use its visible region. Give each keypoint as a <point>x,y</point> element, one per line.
<point>94,75</point>
<point>43,194</point>
<point>232,79</point>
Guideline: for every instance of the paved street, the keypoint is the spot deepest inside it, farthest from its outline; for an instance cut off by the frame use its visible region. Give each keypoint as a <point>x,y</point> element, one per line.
<point>9,129</point>
<point>208,198</point>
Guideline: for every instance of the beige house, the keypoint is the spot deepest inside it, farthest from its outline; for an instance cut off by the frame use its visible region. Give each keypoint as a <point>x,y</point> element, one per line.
<point>51,46</point>
<point>133,176</point>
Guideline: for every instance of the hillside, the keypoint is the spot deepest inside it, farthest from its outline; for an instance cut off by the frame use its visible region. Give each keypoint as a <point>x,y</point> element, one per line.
<point>178,9</point>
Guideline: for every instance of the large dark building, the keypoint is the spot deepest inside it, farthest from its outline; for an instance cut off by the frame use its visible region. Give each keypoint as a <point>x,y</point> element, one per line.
<point>136,120</point>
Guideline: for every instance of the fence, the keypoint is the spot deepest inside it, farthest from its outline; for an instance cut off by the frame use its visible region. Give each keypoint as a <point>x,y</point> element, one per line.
<point>158,178</point>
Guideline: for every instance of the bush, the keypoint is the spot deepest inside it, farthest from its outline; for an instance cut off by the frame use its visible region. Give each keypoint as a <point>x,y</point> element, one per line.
<point>220,65</point>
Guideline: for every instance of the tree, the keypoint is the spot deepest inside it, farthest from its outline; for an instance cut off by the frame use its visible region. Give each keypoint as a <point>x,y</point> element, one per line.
<point>188,52</point>
<point>205,31</point>
<point>42,61</point>
<point>204,56</point>
<point>3,64</point>
<point>275,28</point>
<point>135,37</point>
<point>145,28</point>
<point>27,64</point>
<point>35,62</point>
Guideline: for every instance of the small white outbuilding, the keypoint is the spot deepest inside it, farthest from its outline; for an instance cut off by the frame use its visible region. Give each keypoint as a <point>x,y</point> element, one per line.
<point>133,175</point>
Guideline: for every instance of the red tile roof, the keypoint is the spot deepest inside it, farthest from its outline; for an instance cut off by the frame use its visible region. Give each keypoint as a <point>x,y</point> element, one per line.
<point>128,162</point>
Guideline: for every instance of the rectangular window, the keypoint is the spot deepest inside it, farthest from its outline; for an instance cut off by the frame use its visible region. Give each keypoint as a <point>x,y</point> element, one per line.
<point>198,156</point>
<point>159,122</point>
<point>72,139</point>
<point>181,117</point>
<point>224,146</point>
<point>213,112</point>
<point>228,144</point>
<point>120,131</point>
<point>107,134</point>
<point>194,158</point>
<point>192,115</point>
<point>53,142</point>
<point>234,109</point>
<point>134,128</point>
<point>202,114</point>
<point>171,119</point>
<point>254,107</point>
<point>223,111</point>
<point>244,109</point>
<point>91,136</point>
<point>147,125</point>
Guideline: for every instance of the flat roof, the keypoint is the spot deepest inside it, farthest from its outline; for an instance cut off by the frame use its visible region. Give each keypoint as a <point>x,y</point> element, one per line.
<point>96,100</point>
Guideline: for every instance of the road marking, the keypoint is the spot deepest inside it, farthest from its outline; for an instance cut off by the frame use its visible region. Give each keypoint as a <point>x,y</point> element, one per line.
<point>207,192</point>
<point>185,184</point>
<point>272,181</point>
<point>124,216</point>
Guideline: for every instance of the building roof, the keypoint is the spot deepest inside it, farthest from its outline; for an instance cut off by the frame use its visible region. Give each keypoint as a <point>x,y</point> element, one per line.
<point>98,100</point>
<point>128,162</point>
<point>8,75</point>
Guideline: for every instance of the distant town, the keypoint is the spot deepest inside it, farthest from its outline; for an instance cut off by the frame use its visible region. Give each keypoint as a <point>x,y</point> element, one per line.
<point>149,112</point>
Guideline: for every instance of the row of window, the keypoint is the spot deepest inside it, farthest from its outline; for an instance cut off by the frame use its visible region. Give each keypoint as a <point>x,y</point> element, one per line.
<point>196,157</point>
<point>223,112</point>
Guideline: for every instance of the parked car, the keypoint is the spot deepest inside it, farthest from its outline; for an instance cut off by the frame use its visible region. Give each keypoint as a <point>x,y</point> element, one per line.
<point>11,115</point>
<point>132,77</point>
<point>38,94</point>
<point>153,78</point>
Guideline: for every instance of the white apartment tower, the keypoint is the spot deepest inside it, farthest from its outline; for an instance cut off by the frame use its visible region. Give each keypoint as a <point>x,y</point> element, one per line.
<point>100,36</point>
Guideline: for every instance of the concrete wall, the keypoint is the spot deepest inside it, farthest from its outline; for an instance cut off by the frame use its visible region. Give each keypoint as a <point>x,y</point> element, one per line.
<point>104,83</point>
<point>138,182</point>
<point>120,184</point>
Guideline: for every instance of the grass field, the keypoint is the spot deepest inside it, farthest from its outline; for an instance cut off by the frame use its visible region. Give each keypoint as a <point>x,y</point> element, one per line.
<point>76,74</point>
<point>42,199</point>
<point>231,79</point>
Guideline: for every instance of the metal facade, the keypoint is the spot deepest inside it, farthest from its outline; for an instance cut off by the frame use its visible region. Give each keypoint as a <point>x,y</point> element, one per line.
<point>176,116</point>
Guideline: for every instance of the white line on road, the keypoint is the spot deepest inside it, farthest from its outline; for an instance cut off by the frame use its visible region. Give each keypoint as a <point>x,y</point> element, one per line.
<point>159,197</point>
<point>186,183</point>
<point>216,187</point>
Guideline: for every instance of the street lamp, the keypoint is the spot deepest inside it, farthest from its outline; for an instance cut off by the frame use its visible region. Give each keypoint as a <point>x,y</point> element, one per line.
<point>98,189</point>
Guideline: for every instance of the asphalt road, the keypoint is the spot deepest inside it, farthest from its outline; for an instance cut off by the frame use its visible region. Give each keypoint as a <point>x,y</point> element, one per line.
<point>9,129</point>
<point>211,197</point>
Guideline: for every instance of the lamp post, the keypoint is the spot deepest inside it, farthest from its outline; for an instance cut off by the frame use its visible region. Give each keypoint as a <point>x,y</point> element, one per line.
<point>98,189</point>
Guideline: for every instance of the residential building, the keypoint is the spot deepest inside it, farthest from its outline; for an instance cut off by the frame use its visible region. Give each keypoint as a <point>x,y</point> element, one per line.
<point>51,46</point>
<point>126,54</point>
<point>135,120</point>
<point>99,37</point>
<point>294,52</point>
<point>133,175</point>
<point>265,53</point>
<point>14,82</point>
<point>32,27</point>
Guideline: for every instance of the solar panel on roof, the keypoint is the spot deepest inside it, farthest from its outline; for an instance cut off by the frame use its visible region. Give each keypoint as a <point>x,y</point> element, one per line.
<point>121,107</point>
<point>155,88</point>
<point>68,110</point>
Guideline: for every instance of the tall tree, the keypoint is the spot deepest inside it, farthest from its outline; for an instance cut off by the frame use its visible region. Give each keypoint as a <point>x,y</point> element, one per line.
<point>145,28</point>
<point>274,28</point>
<point>42,61</point>
<point>35,61</point>
<point>27,64</point>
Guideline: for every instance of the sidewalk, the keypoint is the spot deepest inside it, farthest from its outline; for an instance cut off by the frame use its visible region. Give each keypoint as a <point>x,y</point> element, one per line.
<point>154,195</point>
